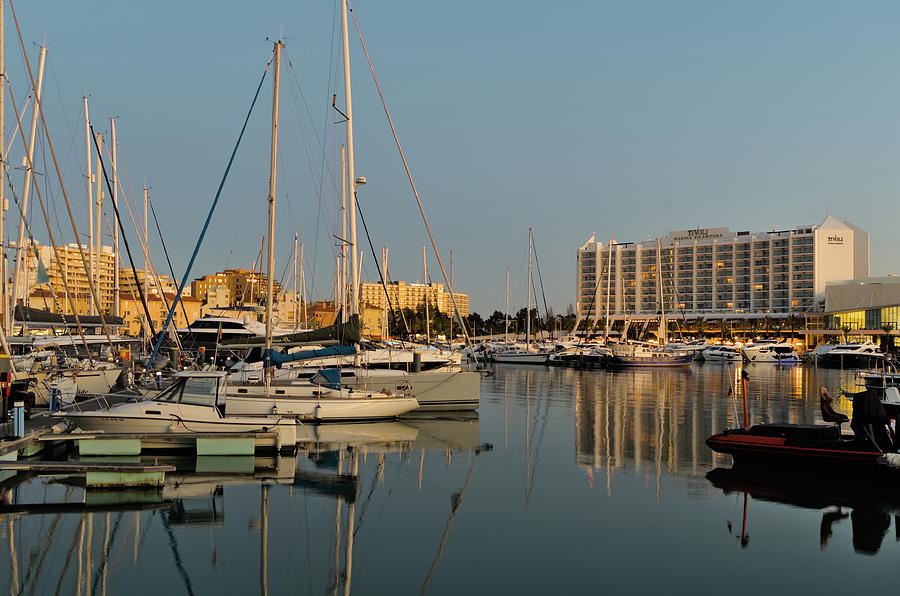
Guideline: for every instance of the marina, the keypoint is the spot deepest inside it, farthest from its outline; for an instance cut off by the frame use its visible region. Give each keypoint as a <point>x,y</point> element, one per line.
<point>255,335</point>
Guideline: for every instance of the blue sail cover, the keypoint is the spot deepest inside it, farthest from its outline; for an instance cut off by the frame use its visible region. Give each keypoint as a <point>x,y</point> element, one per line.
<point>277,358</point>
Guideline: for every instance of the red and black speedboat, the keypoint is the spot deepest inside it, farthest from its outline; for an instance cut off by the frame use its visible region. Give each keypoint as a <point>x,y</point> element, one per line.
<point>871,446</point>
<point>787,444</point>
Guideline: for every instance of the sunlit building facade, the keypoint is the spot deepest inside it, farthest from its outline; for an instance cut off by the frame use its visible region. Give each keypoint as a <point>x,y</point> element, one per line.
<point>716,273</point>
<point>404,295</point>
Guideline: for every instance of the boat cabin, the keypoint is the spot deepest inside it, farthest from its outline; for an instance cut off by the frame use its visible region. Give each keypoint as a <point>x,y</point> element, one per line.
<point>198,388</point>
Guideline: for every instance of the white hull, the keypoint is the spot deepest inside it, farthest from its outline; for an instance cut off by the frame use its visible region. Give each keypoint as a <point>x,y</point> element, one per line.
<point>153,417</point>
<point>321,409</point>
<point>433,390</point>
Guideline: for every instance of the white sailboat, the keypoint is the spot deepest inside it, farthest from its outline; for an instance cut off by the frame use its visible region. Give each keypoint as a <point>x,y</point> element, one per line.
<point>321,401</point>
<point>527,354</point>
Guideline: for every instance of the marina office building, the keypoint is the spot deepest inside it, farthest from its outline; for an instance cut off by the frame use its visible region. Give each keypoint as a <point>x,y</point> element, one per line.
<point>714,273</point>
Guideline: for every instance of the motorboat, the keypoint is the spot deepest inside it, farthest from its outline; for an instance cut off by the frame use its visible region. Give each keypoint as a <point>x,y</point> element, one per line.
<point>771,351</point>
<point>194,403</point>
<point>696,347</point>
<point>580,355</point>
<point>635,354</point>
<point>853,355</point>
<point>872,445</point>
<point>721,354</point>
<point>521,355</point>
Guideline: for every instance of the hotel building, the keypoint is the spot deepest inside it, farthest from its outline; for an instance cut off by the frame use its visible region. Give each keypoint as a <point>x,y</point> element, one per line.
<point>716,273</point>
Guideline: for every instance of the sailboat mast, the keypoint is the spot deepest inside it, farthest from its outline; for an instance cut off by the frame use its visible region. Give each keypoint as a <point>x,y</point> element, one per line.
<point>98,215</point>
<point>115,202</point>
<point>342,264</point>
<point>20,253</point>
<point>427,313</point>
<point>270,259</point>
<point>296,295</point>
<point>89,175</point>
<point>528,292</point>
<point>351,175</point>
<point>4,289</point>
<point>662,302</point>
<point>608,288</point>
<point>147,261</point>
<point>506,327</point>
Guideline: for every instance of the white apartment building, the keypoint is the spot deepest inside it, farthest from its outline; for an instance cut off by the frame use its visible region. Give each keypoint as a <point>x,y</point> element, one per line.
<point>716,273</point>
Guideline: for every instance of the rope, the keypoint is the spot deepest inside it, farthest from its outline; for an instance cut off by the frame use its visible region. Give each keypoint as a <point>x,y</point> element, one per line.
<point>212,209</point>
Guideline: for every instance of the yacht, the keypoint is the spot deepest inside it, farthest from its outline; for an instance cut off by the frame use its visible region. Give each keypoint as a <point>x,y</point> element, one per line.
<point>771,350</point>
<point>721,354</point>
<point>853,355</point>
<point>209,330</point>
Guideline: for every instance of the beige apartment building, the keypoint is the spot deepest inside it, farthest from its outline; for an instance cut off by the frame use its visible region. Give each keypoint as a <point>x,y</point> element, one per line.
<point>245,286</point>
<point>404,295</point>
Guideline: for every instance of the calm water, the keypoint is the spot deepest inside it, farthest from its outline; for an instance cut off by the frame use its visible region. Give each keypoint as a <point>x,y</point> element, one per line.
<point>566,481</point>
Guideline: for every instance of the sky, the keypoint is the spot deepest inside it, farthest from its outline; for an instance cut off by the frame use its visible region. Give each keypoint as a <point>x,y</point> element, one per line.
<point>620,119</point>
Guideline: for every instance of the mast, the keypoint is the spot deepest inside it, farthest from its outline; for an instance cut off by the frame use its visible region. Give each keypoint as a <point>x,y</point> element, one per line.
<point>92,274</point>
<point>528,291</point>
<point>351,176</point>
<point>20,253</point>
<point>98,214</point>
<point>296,295</point>
<point>115,201</point>
<point>427,313</point>
<point>506,327</point>
<point>147,263</point>
<point>608,283</point>
<point>662,302</point>
<point>4,289</point>
<point>270,259</point>
<point>384,256</point>
<point>450,337</point>
<point>342,264</point>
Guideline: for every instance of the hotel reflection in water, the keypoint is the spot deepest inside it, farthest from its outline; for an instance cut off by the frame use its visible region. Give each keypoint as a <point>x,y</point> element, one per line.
<point>659,420</point>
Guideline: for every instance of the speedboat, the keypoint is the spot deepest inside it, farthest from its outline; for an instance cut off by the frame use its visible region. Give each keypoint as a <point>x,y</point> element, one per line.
<point>194,403</point>
<point>872,445</point>
<point>853,355</point>
<point>721,354</point>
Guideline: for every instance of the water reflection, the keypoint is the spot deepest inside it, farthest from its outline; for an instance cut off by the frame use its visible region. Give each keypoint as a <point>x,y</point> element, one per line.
<point>64,537</point>
<point>868,504</point>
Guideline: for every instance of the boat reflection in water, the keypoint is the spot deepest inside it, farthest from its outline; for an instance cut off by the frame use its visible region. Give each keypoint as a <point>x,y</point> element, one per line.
<point>63,537</point>
<point>868,504</point>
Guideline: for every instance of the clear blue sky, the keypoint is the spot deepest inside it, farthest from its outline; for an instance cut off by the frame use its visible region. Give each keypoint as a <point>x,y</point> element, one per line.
<point>615,118</point>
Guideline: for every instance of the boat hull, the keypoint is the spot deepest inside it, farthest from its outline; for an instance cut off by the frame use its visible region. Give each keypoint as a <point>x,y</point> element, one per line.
<point>525,358</point>
<point>322,409</point>
<point>831,360</point>
<point>794,444</point>
<point>655,361</point>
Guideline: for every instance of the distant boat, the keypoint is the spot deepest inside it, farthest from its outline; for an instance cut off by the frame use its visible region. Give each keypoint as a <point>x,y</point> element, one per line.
<point>853,355</point>
<point>633,354</point>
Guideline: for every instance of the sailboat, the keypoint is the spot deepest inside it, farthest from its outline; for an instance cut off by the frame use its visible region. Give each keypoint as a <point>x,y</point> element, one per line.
<point>631,354</point>
<point>324,398</point>
<point>528,354</point>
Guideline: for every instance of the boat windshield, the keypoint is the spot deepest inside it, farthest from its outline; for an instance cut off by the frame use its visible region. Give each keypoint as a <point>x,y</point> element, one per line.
<point>200,391</point>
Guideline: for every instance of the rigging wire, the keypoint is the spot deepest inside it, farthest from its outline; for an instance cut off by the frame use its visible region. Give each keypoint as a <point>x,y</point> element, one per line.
<point>412,184</point>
